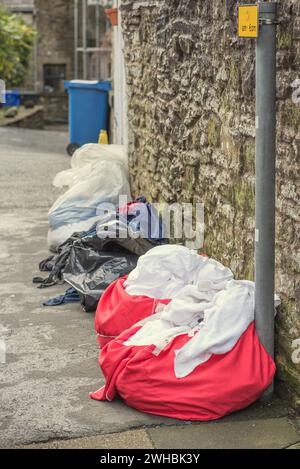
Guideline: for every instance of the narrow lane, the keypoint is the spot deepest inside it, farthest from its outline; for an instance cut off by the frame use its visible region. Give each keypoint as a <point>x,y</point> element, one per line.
<point>51,362</point>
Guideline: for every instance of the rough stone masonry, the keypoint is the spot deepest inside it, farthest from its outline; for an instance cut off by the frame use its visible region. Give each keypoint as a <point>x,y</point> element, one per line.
<point>191,116</point>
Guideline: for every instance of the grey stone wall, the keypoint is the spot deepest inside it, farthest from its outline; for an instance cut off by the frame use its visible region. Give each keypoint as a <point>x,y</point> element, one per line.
<point>27,119</point>
<point>55,41</point>
<point>191,136</point>
<point>56,106</point>
<point>54,45</point>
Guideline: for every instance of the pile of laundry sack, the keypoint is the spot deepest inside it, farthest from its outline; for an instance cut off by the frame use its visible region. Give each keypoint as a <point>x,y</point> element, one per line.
<point>98,174</point>
<point>195,355</point>
<point>95,240</point>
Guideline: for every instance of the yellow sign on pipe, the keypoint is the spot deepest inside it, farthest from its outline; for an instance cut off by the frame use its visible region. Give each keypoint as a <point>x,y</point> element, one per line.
<point>248,21</point>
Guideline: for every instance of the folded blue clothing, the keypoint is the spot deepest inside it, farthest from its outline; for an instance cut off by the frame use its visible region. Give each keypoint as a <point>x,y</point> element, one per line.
<point>70,296</point>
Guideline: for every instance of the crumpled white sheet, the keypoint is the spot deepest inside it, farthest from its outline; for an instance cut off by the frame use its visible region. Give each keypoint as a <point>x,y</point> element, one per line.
<point>164,270</point>
<point>225,319</point>
<point>214,310</point>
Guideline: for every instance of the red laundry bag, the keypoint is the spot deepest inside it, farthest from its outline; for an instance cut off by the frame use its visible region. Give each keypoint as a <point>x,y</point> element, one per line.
<point>223,384</point>
<point>118,311</point>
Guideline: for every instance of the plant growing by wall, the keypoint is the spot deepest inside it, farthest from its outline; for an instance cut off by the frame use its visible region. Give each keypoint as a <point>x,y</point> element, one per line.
<point>16,41</point>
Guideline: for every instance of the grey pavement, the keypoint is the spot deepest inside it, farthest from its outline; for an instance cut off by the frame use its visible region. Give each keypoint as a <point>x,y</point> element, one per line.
<point>261,426</point>
<point>52,354</point>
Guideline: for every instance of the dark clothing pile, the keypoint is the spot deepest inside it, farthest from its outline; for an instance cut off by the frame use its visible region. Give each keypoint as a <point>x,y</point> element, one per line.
<point>90,261</point>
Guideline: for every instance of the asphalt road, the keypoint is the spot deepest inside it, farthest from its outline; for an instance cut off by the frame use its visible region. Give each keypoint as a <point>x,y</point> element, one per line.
<point>51,361</point>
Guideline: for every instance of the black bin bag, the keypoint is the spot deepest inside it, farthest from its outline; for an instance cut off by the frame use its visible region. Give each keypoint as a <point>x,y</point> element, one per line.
<point>90,272</point>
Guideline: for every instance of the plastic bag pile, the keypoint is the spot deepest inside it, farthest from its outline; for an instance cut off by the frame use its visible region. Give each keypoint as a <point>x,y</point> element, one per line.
<point>194,355</point>
<point>95,241</point>
<point>98,174</point>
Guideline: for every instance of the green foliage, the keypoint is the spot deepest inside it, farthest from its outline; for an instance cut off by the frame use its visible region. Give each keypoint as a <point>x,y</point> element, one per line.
<point>16,41</point>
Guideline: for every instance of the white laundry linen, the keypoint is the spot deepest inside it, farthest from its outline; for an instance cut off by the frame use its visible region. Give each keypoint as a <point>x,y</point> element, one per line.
<point>213,309</point>
<point>226,318</point>
<point>182,316</point>
<point>164,270</point>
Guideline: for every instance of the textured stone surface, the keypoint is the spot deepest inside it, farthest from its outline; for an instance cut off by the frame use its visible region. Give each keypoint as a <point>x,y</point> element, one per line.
<point>135,439</point>
<point>191,135</point>
<point>253,434</point>
<point>26,119</point>
<point>57,106</point>
<point>54,45</point>
<point>55,42</point>
<point>262,425</point>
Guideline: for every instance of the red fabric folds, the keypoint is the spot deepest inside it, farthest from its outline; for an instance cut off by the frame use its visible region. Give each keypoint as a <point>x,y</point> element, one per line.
<point>118,311</point>
<point>223,384</point>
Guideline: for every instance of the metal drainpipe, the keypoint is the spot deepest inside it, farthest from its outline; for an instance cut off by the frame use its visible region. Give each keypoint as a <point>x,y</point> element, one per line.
<point>35,54</point>
<point>76,39</point>
<point>265,175</point>
<point>84,39</point>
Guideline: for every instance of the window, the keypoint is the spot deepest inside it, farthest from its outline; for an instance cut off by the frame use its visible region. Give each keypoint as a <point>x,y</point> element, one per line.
<point>54,76</point>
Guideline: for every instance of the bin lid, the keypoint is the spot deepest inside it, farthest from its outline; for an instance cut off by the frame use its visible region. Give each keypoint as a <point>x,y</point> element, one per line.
<point>88,84</point>
<point>13,92</point>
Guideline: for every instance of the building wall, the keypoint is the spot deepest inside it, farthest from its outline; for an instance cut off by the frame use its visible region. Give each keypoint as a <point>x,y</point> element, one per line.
<point>55,46</point>
<point>18,5</point>
<point>55,43</point>
<point>191,136</point>
<point>99,62</point>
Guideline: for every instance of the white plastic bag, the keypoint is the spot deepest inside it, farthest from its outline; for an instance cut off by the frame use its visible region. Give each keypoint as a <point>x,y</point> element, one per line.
<point>61,234</point>
<point>84,160</point>
<point>99,174</point>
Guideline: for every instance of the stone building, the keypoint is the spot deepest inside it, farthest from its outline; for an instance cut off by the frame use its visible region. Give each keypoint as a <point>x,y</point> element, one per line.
<point>191,117</point>
<point>55,44</point>
<point>24,7</point>
<point>54,50</point>
<point>54,55</point>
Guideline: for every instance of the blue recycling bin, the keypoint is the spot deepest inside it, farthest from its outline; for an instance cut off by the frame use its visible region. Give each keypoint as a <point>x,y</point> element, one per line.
<point>12,98</point>
<point>88,111</point>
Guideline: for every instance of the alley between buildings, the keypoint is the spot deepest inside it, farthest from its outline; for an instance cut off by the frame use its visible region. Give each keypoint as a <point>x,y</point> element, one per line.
<point>51,363</point>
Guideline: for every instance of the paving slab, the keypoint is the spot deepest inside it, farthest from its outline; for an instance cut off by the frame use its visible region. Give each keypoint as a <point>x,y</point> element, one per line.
<point>296,446</point>
<point>135,439</point>
<point>248,434</point>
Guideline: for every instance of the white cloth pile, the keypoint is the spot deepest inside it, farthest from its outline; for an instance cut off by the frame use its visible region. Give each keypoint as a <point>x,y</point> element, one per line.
<point>207,304</point>
<point>165,270</point>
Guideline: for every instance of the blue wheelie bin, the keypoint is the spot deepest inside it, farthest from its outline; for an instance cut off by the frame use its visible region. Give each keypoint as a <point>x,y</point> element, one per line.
<point>88,111</point>
<point>12,98</point>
